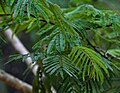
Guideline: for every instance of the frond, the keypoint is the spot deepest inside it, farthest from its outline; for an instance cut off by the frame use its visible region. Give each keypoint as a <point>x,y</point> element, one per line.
<point>21,7</point>
<point>59,65</point>
<point>34,56</point>
<point>56,39</point>
<point>71,85</point>
<point>60,31</point>
<point>89,63</point>
<point>84,12</point>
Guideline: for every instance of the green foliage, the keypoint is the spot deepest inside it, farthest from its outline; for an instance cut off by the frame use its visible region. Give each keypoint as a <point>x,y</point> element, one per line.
<point>114,52</point>
<point>89,63</point>
<point>59,65</point>
<point>77,47</point>
<point>34,56</point>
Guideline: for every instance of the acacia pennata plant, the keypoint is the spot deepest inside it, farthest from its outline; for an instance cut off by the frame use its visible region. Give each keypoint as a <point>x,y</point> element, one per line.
<point>77,48</point>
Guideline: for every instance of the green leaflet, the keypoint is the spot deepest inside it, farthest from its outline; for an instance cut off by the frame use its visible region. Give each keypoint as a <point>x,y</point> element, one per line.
<point>11,2</point>
<point>36,15</point>
<point>46,10</point>
<point>29,8</point>
<point>85,68</point>
<point>99,75</point>
<point>42,12</point>
<point>51,45</point>
<point>46,30</point>
<point>16,11</point>
<point>58,43</point>
<point>62,41</point>
<point>72,53</point>
<point>56,9</point>
<point>30,24</point>
<point>69,40</point>
<point>44,2</point>
<point>20,7</point>
<point>76,57</point>
<point>55,68</point>
<point>57,13</point>
<point>69,27</point>
<point>48,33</point>
<point>23,7</point>
<point>78,62</point>
<point>82,65</point>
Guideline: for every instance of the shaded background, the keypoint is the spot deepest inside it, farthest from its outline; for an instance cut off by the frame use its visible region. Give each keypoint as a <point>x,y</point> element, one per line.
<point>17,69</point>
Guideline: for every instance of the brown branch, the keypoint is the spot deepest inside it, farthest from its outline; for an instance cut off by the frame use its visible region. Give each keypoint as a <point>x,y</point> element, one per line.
<point>15,82</point>
<point>17,44</point>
